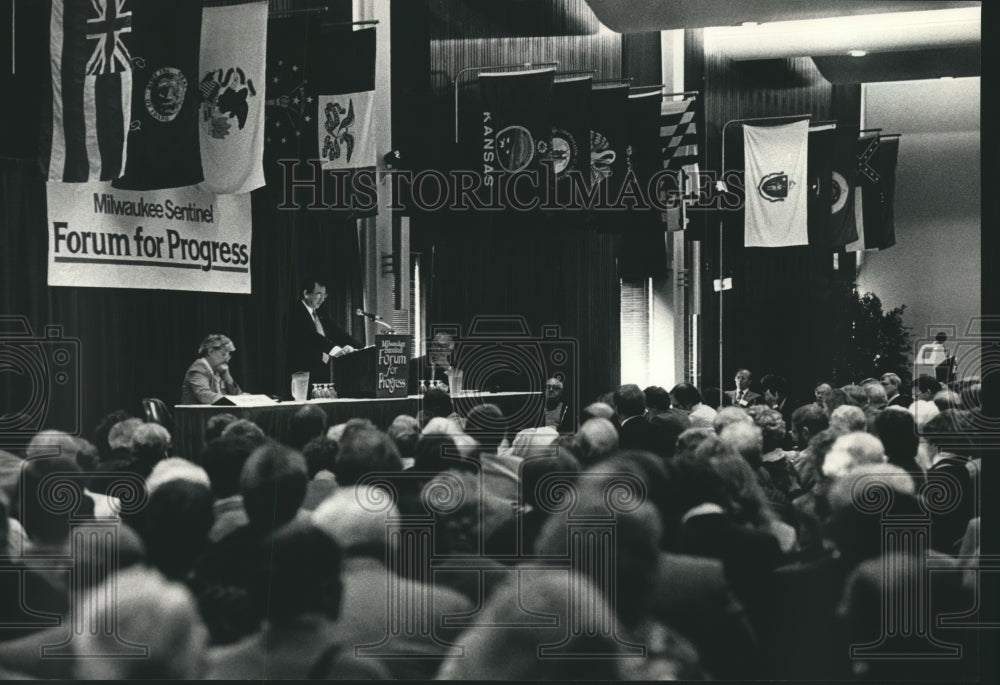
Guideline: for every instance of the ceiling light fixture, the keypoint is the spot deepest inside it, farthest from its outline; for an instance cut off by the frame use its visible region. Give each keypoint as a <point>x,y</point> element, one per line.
<point>857,53</point>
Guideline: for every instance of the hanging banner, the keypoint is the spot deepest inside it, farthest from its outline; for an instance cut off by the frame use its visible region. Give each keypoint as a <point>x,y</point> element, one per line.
<point>176,239</point>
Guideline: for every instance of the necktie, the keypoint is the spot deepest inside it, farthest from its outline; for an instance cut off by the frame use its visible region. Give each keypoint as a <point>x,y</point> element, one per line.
<point>318,324</point>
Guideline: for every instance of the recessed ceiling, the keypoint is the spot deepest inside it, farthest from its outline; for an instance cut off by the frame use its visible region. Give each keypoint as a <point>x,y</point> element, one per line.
<point>909,65</point>
<point>640,16</point>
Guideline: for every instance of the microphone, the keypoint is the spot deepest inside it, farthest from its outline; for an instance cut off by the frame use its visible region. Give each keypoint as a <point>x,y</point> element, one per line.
<point>368,315</point>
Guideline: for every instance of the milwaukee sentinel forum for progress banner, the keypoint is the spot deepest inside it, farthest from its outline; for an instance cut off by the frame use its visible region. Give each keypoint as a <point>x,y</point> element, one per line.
<point>175,239</point>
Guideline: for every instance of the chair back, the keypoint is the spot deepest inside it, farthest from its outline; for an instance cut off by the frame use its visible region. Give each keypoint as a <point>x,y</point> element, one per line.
<point>155,411</point>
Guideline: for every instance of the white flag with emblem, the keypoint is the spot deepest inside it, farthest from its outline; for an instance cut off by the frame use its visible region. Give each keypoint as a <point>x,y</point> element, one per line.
<point>777,209</point>
<point>231,90</point>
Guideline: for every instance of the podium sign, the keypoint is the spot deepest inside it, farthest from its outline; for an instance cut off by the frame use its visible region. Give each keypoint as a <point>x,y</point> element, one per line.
<point>392,364</point>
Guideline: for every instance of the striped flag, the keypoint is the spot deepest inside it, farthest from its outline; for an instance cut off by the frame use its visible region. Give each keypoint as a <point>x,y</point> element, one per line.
<point>679,149</point>
<point>91,74</point>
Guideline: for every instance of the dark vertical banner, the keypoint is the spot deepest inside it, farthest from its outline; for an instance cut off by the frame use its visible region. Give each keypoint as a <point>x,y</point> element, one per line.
<point>570,153</point>
<point>163,133</point>
<point>643,247</point>
<point>843,228</point>
<point>887,191</point>
<point>820,191</point>
<point>91,73</point>
<point>517,133</point>
<point>290,110</point>
<point>867,179</point>
<point>608,139</point>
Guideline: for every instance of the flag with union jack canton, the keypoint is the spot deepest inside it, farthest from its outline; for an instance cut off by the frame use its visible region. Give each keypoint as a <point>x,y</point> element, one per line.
<point>91,74</point>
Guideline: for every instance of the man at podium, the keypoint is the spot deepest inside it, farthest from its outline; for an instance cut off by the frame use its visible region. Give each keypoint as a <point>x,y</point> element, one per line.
<point>311,338</point>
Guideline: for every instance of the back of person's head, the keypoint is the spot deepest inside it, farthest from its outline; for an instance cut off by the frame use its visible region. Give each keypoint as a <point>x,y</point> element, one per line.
<point>848,418</point>
<point>356,518</point>
<point>596,440</point>
<point>404,432</point>
<point>836,398</point>
<point>657,398</point>
<point>947,399</point>
<point>245,428</point>
<point>927,384</point>
<point>635,556</point>
<point>712,396</point>
<point>273,485</point>
<point>321,455</point>
<point>775,384</point>
<point>120,434</point>
<point>808,420</point>
<point>307,423</point>
<point>363,452</point>
<point>216,424</point>
<point>597,410</point>
<point>771,424</point>
<point>948,431</point>
<point>487,424</point>
<point>436,452</point>
<point>103,428</point>
<point>629,401</point>
<point>437,402</point>
<point>499,654</point>
<point>857,394</point>
<point>897,430</point>
<point>223,459</point>
<point>354,425</point>
<point>697,478</point>
<point>730,415</point>
<point>176,468</point>
<point>659,482</point>
<point>685,395</point>
<point>175,525</point>
<point>532,442</point>
<point>747,440</point>
<point>150,445</point>
<point>147,610</point>
<point>745,499</point>
<point>52,443</point>
<point>299,574</point>
<point>39,490</point>
<point>852,450</point>
<point>538,475</point>
<point>877,398</point>
<point>821,444</point>
<point>690,438</point>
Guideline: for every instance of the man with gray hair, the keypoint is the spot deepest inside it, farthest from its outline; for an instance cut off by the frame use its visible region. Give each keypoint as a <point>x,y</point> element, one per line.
<point>597,439</point>
<point>892,383</point>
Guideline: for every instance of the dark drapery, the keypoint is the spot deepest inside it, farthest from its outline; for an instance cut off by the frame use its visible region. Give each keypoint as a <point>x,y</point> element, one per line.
<point>138,343</point>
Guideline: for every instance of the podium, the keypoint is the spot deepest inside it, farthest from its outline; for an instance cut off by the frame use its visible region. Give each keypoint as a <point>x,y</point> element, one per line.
<point>379,370</point>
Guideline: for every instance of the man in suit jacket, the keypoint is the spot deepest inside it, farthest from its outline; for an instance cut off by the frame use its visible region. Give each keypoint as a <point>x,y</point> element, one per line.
<point>208,379</point>
<point>742,396</point>
<point>311,338</point>
<point>635,432</point>
<point>891,382</point>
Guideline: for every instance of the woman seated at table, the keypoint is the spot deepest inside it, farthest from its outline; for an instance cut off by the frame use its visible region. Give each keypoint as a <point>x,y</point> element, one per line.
<point>208,379</point>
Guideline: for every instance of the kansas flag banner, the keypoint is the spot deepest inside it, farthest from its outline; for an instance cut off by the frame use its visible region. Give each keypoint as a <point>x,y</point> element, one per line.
<point>91,69</point>
<point>777,207</point>
<point>231,90</point>
<point>163,146</point>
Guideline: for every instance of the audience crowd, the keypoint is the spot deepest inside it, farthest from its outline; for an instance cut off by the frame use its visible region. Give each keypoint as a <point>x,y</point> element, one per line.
<point>663,536</point>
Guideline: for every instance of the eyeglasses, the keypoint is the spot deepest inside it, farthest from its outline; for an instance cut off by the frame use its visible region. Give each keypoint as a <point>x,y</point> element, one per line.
<point>552,386</point>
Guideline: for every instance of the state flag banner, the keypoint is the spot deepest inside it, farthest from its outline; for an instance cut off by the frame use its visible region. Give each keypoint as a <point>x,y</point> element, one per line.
<point>91,74</point>
<point>231,66</point>
<point>517,130</point>
<point>570,153</point>
<point>293,67</point>
<point>346,98</point>
<point>858,244</point>
<point>820,158</point>
<point>843,227</point>
<point>880,189</point>
<point>608,139</point>
<point>679,149</point>
<point>163,146</point>
<point>642,159</point>
<point>776,159</point>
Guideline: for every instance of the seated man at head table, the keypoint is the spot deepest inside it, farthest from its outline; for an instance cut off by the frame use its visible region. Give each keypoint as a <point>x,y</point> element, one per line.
<point>208,379</point>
